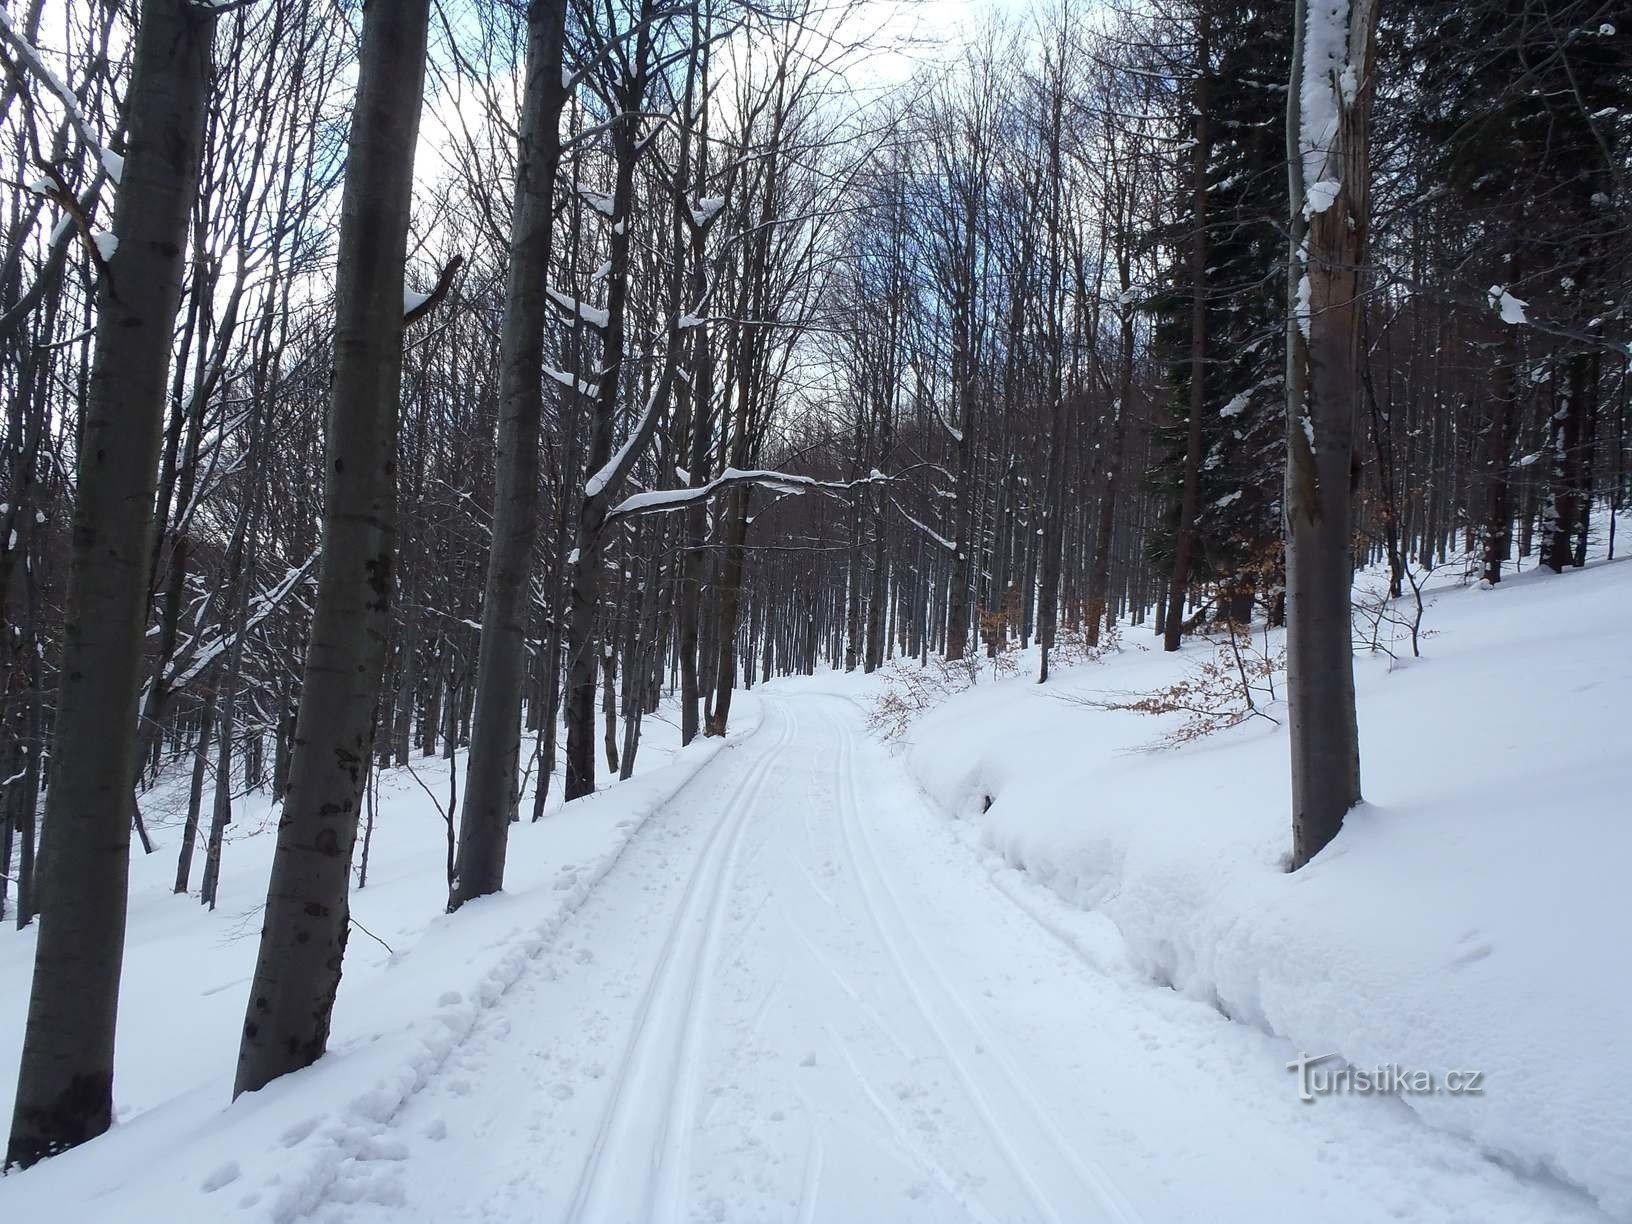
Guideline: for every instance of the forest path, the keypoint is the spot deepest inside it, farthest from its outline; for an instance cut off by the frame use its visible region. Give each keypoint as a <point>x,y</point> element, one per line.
<point>799,996</point>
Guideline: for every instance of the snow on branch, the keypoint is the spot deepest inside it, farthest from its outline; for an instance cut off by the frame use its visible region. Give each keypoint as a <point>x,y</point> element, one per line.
<point>929,531</point>
<point>35,63</point>
<point>261,606</point>
<point>570,306</point>
<point>1505,304</point>
<point>661,500</point>
<point>601,201</point>
<point>416,305</point>
<point>582,386</point>
<point>618,466</point>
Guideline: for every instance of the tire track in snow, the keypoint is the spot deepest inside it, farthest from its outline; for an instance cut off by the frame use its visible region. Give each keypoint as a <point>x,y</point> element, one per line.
<point>636,1168</point>
<point>1022,1113</point>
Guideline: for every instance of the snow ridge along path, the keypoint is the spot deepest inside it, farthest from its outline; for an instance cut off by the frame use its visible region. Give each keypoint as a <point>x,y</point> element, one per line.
<point>797,996</point>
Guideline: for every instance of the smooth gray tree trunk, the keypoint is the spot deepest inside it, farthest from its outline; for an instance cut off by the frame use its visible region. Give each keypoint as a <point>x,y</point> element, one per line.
<point>495,742</point>
<point>65,1085</point>
<point>1323,383</point>
<point>303,939</point>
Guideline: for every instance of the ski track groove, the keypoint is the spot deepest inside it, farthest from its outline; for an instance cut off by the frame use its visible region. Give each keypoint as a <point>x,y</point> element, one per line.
<point>904,1139</point>
<point>667,1024</point>
<point>353,1132</point>
<point>1112,1202</point>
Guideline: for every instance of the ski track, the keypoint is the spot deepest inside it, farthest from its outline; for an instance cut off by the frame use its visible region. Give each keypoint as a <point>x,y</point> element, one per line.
<point>660,1064</point>
<point>815,1004</point>
<point>1024,1126</point>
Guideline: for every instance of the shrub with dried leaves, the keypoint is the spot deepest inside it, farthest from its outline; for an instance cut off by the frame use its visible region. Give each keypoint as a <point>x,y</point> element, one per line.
<point>1235,684</point>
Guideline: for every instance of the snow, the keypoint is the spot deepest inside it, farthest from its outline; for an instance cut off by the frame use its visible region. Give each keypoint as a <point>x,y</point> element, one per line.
<point>1505,304</point>
<point>1022,970</point>
<point>412,300</point>
<point>601,201</point>
<point>106,243</point>
<point>177,1150</point>
<point>706,209</point>
<point>1321,196</point>
<point>595,316</point>
<point>566,380</point>
<point>663,499</point>
<point>1325,56</point>
<point>1455,922</point>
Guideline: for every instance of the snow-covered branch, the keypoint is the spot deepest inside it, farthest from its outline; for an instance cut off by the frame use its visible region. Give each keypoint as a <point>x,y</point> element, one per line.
<point>659,501</point>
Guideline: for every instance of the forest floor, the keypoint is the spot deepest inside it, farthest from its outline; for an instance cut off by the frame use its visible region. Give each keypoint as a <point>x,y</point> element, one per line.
<point>1017,970</point>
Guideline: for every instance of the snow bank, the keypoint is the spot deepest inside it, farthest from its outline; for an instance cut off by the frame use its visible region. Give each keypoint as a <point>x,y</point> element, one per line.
<point>319,1135</point>
<point>1471,916</point>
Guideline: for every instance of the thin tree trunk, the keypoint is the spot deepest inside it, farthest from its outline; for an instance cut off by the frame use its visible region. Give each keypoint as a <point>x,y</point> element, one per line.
<point>195,794</point>
<point>495,746</point>
<point>1184,547</point>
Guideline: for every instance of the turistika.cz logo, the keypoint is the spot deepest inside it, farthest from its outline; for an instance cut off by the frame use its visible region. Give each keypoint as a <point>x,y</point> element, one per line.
<point>1325,1075</point>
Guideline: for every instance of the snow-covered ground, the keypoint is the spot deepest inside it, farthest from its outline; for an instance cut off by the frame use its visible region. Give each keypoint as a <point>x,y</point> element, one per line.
<point>1472,916</point>
<point>1016,971</point>
<point>398,1015</point>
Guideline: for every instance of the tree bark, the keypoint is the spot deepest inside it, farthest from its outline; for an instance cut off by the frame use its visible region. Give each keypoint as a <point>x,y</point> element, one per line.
<point>1184,545</point>
<point>303,939</point>
<point>1324,356</point>
<point>65,1085</point>
<point>495,744</point>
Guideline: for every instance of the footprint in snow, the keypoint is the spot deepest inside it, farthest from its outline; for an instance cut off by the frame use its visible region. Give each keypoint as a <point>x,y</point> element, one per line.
<point>224,1175</point>
<point>1473,955</point>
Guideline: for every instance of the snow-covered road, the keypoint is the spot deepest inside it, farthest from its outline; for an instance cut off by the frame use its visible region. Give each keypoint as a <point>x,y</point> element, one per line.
<point>799,995</point>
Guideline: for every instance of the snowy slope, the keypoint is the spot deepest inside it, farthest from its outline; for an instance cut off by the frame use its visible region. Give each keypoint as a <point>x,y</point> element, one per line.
<point>1473,915</point>
<point>397,1017</point>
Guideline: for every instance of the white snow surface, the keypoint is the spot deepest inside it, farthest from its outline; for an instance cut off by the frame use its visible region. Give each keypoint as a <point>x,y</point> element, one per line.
<point>1509,307</point>
<point>321,1137</point>
<point>1018,971</point>
<point>1471,915</point>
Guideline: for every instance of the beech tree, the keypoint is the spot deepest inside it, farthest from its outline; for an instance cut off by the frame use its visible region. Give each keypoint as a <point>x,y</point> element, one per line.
<point>303,939</point>
<point>65,1085</point>
<point>1327,129</point>
<point>491,778</point>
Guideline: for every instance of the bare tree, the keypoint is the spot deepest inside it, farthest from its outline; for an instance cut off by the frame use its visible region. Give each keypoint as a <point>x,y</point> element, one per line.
<point>65,1086</point>
<point>1327,125</point>
<point>490,780</point>
<point>303,937</point>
